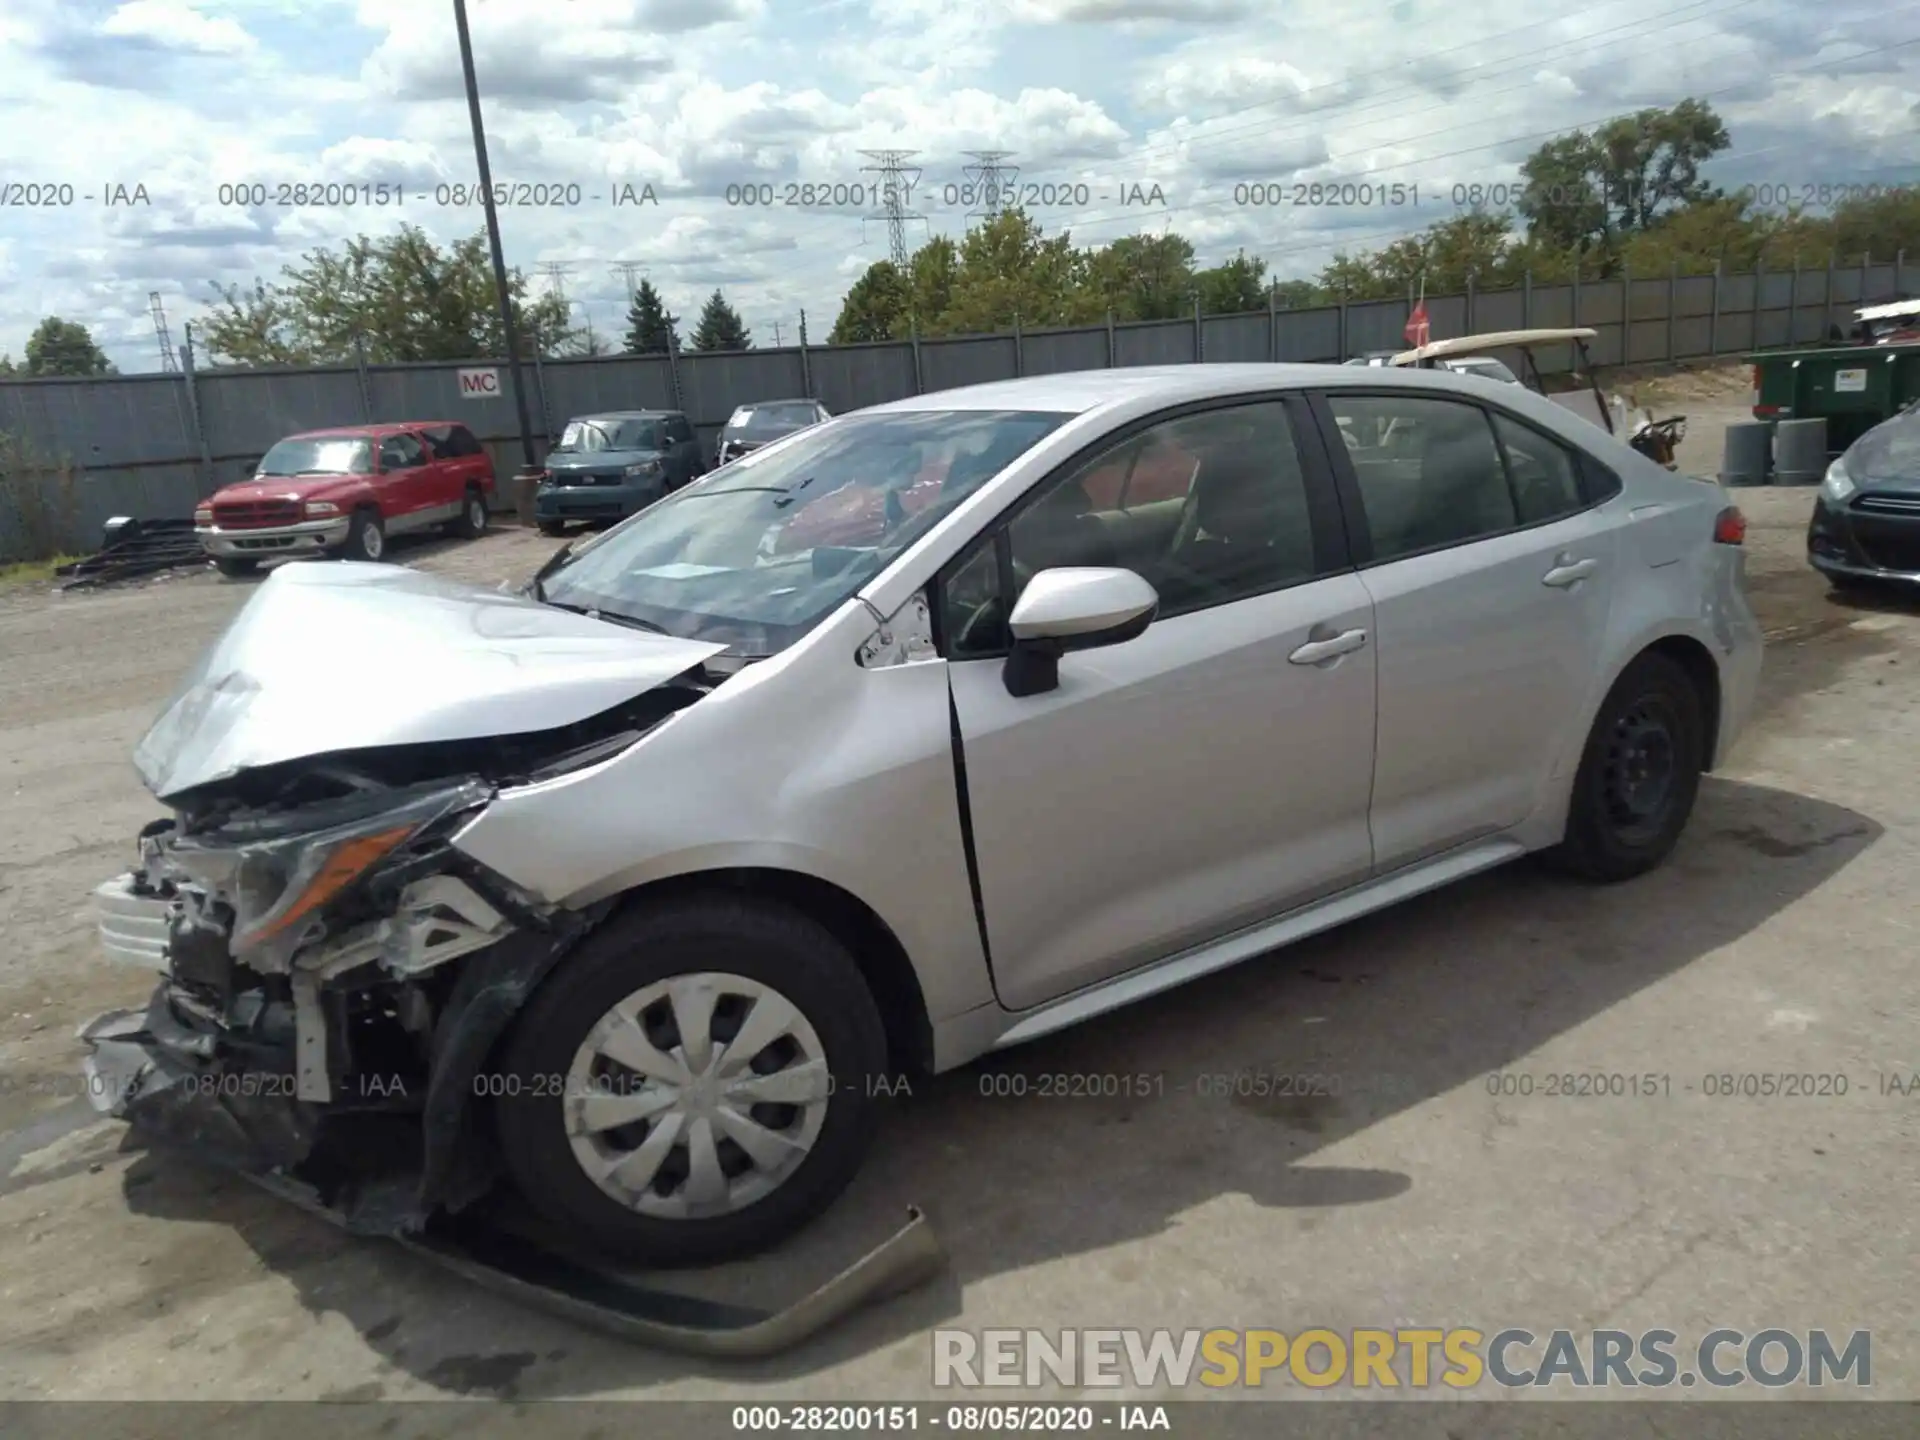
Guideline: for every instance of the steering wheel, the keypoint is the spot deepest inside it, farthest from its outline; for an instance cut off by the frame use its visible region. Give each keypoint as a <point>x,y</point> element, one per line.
<point>991,612</point>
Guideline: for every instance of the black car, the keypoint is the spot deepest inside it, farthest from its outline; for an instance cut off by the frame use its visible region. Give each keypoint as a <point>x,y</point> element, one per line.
<point>752,426</point>
<point>1866,523</point>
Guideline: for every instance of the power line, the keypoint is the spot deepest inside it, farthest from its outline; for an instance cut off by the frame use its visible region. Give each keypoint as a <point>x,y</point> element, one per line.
<point>556,272</point>
<point>896,189</point>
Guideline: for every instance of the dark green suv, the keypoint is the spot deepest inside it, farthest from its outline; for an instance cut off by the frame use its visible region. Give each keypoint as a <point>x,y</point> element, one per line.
<point>610,465</point>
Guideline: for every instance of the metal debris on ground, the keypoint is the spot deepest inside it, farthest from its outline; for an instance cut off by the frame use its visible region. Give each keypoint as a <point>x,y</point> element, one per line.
<point>134,548</point>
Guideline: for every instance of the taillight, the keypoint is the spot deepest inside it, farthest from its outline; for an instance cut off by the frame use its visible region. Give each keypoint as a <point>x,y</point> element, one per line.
<point>1730,527</point>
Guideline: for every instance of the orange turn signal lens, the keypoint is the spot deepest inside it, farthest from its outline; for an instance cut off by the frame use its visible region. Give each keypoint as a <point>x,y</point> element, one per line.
<point>348,862</point>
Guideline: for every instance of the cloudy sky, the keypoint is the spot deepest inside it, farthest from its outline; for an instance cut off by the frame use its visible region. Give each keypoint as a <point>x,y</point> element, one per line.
<point>1120,116</point>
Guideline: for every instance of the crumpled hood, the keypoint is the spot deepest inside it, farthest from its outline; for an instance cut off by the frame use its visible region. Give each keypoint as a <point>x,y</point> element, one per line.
<point>348,656</point>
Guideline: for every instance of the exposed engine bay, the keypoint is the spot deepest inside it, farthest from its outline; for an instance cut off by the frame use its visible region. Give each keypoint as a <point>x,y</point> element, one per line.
<point>336,971</point>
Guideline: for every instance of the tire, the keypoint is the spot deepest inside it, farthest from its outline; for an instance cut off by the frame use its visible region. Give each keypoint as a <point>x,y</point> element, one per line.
<point>472,523</point>
<point>233,567</point>
<point>545,1075</point>
<point>1609,836</point>
<point>366,538</point>
<point>553,527</point>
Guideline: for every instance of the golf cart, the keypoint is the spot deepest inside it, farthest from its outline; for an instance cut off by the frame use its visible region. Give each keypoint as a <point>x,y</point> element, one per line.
<point>1656,439</point>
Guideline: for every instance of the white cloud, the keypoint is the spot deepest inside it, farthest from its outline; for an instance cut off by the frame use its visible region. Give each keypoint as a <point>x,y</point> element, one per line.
<point>176,25</point>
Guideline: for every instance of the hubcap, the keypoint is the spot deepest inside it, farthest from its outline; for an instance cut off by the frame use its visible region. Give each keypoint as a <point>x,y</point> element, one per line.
<point>374,541</point>
<point>696,1096</point>
<point>1642,769</point>
<point>477,512</point>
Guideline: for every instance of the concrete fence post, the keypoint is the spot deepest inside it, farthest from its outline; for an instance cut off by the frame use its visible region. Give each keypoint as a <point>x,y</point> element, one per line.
<point>1673,307</point>
<point>1113,350</point>
<point>1273,322</point>
<point>1019,349</point>
<point>1626,313</point>
<point>1793,302</point>
<point>1199,332</point>
<point>919,377</point>
<point>1713,316</point>
<point>806,361</point>
<point>360,375</point>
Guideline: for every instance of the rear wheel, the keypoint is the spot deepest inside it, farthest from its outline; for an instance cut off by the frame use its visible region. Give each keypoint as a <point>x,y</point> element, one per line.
<point>552,527</point>
<point>1638,776</point>
<point>473,515</point>
<point>694,1084</point>
<point>234,567</point>
<point>366,537</point>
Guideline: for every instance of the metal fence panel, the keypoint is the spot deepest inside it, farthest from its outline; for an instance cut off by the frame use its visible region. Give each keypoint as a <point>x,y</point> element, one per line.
<point>117,420</point>
<point>1553,307</point>
<point>584,387</point>
<point>1499,310</point>
<point>1228,339</point>
<point>244,412</point>
<point>1159,342</point>
<point>399,393</point>
<point>852,377</point>
<point>949,364</point>
<point>1692,295</point>
<point>1054,352</point>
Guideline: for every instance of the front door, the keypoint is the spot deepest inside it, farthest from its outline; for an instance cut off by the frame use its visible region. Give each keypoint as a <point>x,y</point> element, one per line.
<point>1194,780</point>
<point>406,481</point>
<point>1491,577</point>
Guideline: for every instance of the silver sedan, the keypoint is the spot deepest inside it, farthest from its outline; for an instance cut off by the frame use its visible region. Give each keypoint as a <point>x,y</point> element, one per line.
<point>919,733</point>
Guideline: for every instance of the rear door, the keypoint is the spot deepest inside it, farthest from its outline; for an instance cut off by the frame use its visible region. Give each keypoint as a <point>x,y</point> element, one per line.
<point>463,460</point>
<point>1198,778</point>
<point>1491,571</point>
<point>407,483</point>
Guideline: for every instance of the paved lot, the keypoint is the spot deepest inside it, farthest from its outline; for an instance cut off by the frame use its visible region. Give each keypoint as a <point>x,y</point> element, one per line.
<point>1780,939</point>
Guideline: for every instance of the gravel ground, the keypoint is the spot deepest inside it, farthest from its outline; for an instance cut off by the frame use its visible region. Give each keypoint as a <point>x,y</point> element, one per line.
<point>1777,940</point>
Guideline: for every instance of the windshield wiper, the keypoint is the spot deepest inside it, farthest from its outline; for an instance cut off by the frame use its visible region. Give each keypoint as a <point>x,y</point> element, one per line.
<point>612,617</point>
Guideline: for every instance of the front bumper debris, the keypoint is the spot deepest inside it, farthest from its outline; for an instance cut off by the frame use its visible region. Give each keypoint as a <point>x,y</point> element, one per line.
<point>369,1174</point>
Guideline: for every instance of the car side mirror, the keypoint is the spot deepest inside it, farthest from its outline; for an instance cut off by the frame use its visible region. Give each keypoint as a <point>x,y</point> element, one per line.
<point>1073,608</point>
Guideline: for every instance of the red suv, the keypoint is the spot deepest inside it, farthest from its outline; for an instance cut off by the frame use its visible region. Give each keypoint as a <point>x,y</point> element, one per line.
<point>343,492</point>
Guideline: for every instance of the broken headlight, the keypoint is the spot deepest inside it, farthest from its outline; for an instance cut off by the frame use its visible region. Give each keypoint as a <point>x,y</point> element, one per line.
<point>279,874</point>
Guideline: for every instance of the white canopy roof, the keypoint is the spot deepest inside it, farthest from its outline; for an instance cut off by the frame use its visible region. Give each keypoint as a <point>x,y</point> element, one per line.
<point>1893,311</point>
<point>1494,340</point>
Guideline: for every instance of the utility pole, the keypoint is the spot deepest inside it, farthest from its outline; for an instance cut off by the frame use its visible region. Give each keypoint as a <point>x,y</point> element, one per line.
<point>896,190</point>
<point>627,269</point>
<point>169,362</point>
<point>992,180</point>
<point>776,334</point>
<point>529,471</point>
<point>556,272</point>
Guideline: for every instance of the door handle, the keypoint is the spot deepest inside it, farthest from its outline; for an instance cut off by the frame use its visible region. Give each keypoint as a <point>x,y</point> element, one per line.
<point>1319,652</point>
<point>1569,572</point>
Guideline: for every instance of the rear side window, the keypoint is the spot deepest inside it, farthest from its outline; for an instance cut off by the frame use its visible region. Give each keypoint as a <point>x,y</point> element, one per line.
<point>461,442</point>
<point>1430,472</point>
<point>1545,474</point>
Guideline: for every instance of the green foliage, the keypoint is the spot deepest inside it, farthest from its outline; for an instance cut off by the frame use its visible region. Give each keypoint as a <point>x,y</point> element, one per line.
<point>63,347</point>
<point>719,327</point>
<point>404,297</point>
<point>651,328</point>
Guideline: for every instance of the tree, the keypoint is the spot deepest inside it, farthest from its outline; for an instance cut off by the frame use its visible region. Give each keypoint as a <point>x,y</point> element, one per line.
<point>1591,189</point>
<point>1011,273</point>
<point>7,367</point>
<point>876,306</point>
<point>64,347</point>
<point>719,327</point>
<point>1235,288</point>
<point>651,328</point>
<point>1143,277</point>
<point>403,297</point>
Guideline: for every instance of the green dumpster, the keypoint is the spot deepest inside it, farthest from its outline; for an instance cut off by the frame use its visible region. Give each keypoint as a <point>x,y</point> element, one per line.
<point>1852,387</point>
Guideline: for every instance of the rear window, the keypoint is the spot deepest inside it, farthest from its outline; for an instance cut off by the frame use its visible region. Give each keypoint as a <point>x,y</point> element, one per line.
<point>322,455</point>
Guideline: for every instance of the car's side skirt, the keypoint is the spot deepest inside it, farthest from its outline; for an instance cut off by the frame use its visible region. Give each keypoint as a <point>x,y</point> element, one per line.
<point>1376,894</point>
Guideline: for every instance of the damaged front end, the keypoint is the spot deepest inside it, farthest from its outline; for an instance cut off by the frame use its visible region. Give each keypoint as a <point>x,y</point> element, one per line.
<point>335,972</point>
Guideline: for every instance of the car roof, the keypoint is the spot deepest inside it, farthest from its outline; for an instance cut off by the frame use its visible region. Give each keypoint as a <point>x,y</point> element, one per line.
<point>1082,392</point>
<point>366,432</point>
<point>625,415</point>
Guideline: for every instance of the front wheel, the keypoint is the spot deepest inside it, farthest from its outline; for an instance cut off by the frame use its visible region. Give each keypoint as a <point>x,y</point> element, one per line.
<point>366,537</point>
<point>553,527</point>
<point>694,1084</point>
<point>1638,776</point>
<point>233,567</point>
